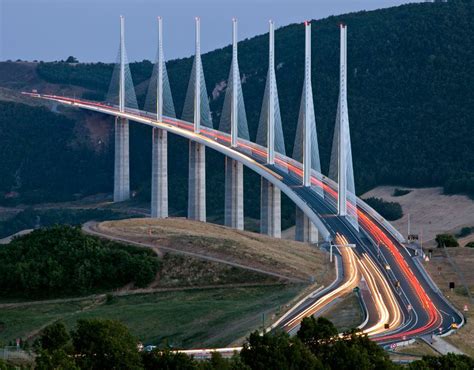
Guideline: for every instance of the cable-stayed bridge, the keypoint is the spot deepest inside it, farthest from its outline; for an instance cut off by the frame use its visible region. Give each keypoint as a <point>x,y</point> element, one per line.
<point>402,302</point>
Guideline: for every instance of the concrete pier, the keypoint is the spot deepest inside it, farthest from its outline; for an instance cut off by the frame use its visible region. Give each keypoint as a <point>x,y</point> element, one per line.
<point>305,231</point>
<point>197,182</point>
<point>122,161</point>
<point>159,174</point>
<point>234,194</point>
<point>270,209</point>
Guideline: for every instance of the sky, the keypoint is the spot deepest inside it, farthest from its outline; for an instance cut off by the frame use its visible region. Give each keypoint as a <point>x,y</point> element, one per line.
<point>89,29</point>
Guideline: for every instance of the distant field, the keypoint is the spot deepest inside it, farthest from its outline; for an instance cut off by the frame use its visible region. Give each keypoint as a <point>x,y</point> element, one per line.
<point>208,317</point>
<point>289,258</point>
<point>431,212</point>
<point>443,272</point>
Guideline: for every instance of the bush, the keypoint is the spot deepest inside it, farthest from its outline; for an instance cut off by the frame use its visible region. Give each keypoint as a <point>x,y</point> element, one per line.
<point>61,260</point>
<point>465,231</point>
<point>391,211</point>
<point>446,240</point>
<point>470,245</point>
<point>400,192</point>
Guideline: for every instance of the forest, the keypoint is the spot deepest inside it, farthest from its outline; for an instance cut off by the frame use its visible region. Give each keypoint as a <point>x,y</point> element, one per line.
<point>410,106</point>
<point>62,261</point>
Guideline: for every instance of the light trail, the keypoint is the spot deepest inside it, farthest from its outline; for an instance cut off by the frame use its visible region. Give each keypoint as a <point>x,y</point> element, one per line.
<point>350,282</point>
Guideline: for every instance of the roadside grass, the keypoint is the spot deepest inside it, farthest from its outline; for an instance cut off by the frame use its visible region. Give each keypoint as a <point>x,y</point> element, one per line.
<point>182,319</point>
<point>418,348</point>
<point>442,273</point>
<point>346,314</point>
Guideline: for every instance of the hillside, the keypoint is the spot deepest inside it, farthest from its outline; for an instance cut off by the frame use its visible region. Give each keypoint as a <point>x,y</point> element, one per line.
<point>410,103</point>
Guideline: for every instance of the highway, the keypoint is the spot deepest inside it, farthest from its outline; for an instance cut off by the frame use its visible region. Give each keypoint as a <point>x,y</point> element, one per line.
<point>402,303</point>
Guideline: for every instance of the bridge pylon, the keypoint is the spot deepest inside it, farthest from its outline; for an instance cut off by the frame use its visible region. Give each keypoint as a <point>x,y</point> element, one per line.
<point>122,154</point>
<point>196,109</point>
<point>341,167</point>
<point>234,121</point>
<point>159,100</point>
<point>306,148</point>
<point>270,134</point>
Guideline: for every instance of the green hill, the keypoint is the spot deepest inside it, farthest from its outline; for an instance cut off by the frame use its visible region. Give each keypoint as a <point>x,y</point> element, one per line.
<point>410,100</point>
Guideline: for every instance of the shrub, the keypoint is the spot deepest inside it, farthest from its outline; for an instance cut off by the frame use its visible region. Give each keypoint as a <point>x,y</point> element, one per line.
<point>391,211</point>
<point>465,231</point>
<point>400,192</point>
<point>446,240</point>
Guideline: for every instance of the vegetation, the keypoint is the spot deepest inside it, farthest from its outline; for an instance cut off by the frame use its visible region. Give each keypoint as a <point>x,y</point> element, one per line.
<point>465,231</point>
<point>184,318</point>
<point>446,240</point>
<point>32,218</point>
<point>470,245</point>
<point>61,260</point>
<point>391,211</point>
<point>106,344</point>
<point>400,192</point>
<point>43,160</point>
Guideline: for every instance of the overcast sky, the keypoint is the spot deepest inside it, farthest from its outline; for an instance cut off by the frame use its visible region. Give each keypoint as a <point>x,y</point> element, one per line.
<point>88,29</point>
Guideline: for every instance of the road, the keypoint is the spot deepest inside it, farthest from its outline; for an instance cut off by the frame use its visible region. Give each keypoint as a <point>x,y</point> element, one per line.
<point>401,294</point>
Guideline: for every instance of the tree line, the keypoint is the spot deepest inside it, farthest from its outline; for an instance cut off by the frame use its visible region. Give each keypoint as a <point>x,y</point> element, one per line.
<point>106,344</point>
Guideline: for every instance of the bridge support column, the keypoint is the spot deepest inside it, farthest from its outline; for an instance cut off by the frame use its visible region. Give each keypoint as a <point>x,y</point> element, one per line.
<point>197,182</point>
<point>270,209</point>
<point>122,161</point>
<point>234,194</point>
<point>159,174</point>
<point>305,231</point>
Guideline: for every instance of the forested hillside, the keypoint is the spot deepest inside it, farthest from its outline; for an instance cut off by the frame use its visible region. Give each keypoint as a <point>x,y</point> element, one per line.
<point>410,100</point>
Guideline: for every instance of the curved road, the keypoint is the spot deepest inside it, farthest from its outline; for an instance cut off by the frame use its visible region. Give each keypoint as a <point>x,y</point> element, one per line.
<point>379,254</point>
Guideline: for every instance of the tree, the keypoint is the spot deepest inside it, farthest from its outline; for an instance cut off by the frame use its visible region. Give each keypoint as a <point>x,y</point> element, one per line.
<point>105,344</point>
<point>167,359</point>
<point>446,240</point>
<point>449,361</point>
<point>54,337</point>
<point>277,351</point>
<point>353,350</point>
<point>55,350</point>
<point>315,333</point>
<point>71,59</point>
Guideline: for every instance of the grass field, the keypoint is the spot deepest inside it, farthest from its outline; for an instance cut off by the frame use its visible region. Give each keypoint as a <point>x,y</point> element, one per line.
<point>207,317</point>
<point>346,314</point>
<point>443,272</point>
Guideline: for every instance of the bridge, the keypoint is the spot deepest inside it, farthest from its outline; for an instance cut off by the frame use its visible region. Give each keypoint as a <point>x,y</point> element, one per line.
<point>400,299</point>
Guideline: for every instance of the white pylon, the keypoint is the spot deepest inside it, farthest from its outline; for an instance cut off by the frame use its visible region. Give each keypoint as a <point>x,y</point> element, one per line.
<point>122,65</point>
<point>159,84</point>
<point>271,95</point>
<point>307,121</point>
<point>197,84</point>
<point>234,117</point>
<point>343,122</point>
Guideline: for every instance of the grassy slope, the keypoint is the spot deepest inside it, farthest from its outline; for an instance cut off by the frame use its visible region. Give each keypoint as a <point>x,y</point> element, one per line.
<point>182,319</point>
<point>284,257</point>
